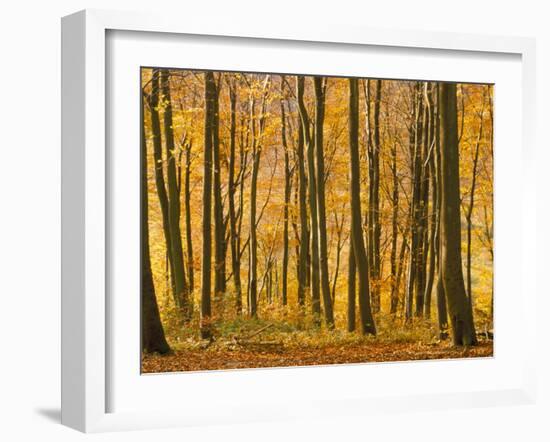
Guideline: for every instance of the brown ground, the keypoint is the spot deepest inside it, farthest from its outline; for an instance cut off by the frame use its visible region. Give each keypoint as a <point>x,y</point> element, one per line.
<point>219,358</point>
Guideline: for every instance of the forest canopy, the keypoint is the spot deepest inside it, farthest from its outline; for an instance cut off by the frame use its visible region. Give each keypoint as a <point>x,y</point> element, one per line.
<point>302,220</point>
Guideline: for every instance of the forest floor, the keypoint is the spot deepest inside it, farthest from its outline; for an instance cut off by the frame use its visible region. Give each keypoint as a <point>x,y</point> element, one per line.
<point>225,359</point>
<point>273,348</point>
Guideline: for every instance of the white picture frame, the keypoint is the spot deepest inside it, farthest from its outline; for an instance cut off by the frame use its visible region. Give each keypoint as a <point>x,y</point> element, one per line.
<point>86,357</point>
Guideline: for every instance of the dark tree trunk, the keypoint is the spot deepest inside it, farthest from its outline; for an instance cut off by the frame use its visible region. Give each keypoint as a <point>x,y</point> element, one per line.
<point>159,174</point>
<point>434,220</point>
<point>253,245</point>
<point>206,288</point>
<point>257,130</point>
<point>460,312</point>
<point>374,193</point>
<point>287,202</point>
<point>423,209</point>
<point>152,333</point>
<point>442,315</point>
<point>312,184</point>
<point>394,296</point>
<point>234,237</point>
<point>182,293</point>
<point>219,225</point>
<point>320,86</point>
<point>304,230</point>
<point>415,139</point>
<point>361,260</point>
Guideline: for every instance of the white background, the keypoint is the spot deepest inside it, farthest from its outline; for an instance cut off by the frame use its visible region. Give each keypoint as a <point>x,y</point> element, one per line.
<point>30,219</point>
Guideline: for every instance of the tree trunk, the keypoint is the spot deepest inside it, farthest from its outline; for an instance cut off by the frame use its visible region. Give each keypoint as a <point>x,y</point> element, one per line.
<point>206,288</point>
<point>253,245</point>
<point>416,154</point>
<point>374,193</point>
<point>182,294</point>
<point>257,131</point>
<point>432,216</point>
<point>219,225</point>
<point>304,230</point>
<point>470,210</point>
<point>152,333</point>
<point>422,209</point>
<point>394,296</point>
<point>442,315</point>
<point>320,86</point>
<point>312,184</point>
<point>159,174</point>
<point>453,281</point>
<point>361,260</point>
<point>234,240</point>
<point>287,201</point>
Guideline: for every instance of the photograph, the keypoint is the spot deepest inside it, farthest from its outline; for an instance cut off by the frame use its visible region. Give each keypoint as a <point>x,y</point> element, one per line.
<point>304,220</point>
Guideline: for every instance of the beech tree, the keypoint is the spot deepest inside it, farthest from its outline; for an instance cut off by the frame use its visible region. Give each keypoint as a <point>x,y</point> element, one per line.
<point>361,259</point>
<point>320,85</point>
<point>453,281</point>
<point>152,333</point>
<point>206,284</point>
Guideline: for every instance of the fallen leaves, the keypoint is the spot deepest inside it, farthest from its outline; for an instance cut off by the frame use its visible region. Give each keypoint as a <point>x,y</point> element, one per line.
<point>227,358</point>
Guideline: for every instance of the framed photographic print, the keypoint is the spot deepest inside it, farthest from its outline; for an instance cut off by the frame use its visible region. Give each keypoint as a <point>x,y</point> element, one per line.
<point>278,223</point>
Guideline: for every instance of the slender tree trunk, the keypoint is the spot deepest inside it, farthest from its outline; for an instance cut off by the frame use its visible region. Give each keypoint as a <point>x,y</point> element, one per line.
<point>152,333</point>
<point>416,150</point>
<point>287,202</point>
<point>432,216</point>
<point>234,242</point>
<point>442,314</point>
<point>423,189</point>
<point>304,230</point>
<point>182,292</point>
<point>320,86</point>
<point>394,296</point>
<point>361,260</point>
<point>159,174</point>
<point>257,131</point>
<point>206,288</point>
<point>219,225</point>
<point>431,245</point>
<point>253,246</point>
<point>462,322</point>
<point>374,195</point>
<point>470,211</point>
<point>312,184</point>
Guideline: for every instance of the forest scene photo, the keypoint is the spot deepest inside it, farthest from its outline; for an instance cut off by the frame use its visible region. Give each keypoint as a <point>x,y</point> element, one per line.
<point>295,220</point>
